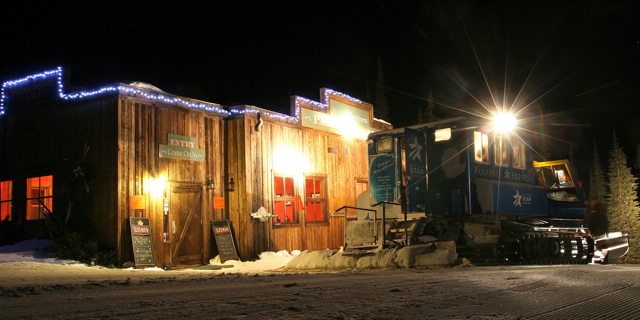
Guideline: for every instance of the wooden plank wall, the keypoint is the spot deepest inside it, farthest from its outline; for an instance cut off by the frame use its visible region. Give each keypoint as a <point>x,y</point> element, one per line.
<point>141,129</point>
<point>255,164</point>
<point>49,139</point>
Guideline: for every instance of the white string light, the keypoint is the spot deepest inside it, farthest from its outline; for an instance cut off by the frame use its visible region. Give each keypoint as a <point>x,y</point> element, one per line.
<point>166,99</point>
<point>270,114</point>
<point>119,88</point>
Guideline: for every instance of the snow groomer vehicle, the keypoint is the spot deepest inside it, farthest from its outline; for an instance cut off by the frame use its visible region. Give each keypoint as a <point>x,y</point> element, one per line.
<point>474,182</point>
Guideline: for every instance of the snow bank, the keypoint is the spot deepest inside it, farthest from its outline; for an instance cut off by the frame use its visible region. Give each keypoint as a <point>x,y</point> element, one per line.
<point>412,256</point>
<point>32,250</point>
<point>266,261</point>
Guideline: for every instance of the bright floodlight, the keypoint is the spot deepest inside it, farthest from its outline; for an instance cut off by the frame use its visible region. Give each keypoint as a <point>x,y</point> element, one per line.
<point>505,122</point>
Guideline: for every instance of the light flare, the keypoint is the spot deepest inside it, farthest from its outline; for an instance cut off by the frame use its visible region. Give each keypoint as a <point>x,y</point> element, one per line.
<point>505,122</point>
<point>286,160</point>
<point>156,186</point>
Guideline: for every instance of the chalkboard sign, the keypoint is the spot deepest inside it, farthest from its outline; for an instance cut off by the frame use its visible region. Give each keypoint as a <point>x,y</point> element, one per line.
<point>224,240</point>
<point>142,243</point>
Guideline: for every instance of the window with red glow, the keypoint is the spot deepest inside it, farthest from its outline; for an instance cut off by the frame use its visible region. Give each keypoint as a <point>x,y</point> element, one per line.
<point>361,186</point>
<point>315,199</point>
<point>39,197</point>
<point>284,199</point>
<point>6,197</point>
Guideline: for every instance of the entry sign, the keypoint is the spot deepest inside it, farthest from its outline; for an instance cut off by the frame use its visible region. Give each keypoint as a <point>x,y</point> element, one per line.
<point>224,240</point>
<point>142,242</point>
<point>181,147</point>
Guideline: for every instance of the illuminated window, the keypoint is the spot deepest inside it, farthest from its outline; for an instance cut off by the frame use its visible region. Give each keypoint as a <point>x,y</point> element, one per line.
<point>315,199</point>
<point>39,197</point>
<point>284,199</point>
<point>6,198</point>
<point>481,147</point>
<point>361,186</point>
<point>384,144</point>
<point>501,152</point>
<point>557,180</point>
<point>443,134</point>
<point>518,155</point>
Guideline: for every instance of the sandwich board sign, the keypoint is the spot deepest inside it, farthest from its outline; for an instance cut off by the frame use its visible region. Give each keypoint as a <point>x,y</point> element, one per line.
<point>142,242</point>
<point>224,240</point>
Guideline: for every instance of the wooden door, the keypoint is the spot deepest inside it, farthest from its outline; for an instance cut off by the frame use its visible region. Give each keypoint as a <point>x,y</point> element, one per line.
<point>185,225</point>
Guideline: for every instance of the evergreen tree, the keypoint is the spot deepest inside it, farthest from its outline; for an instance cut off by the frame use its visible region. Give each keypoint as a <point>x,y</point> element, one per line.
<point>420,115</point>
<point>381,110</point>
<point>428,113</point>
<point>621,201</point>
<point>596,218</point>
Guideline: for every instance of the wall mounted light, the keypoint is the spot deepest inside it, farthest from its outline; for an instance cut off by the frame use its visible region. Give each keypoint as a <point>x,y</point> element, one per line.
<point>210,185</point>
<point>156,186</point>
<point>232,184</point>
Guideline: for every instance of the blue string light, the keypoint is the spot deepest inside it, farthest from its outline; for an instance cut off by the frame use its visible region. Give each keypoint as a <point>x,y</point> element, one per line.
<point>269,114</point>
<point>109,89</point>
<point>167,99</point>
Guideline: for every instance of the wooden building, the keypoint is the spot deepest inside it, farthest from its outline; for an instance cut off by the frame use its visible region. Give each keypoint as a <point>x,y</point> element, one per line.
<point>180,163</point>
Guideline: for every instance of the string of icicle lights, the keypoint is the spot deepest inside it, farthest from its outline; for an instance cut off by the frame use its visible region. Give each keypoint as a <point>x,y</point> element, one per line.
<point>295,118</point>
<point>119,88</point>
<point>160,97</point>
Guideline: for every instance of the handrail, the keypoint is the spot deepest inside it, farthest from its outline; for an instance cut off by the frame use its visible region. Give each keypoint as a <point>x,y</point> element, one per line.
<point>336,214</point>
<point>383,202</point>
<point>350,207</point>
<point>384,221</point>
<point>346,217</point>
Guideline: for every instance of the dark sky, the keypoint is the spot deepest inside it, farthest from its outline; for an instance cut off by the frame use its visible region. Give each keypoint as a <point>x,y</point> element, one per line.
<point>576,62</point>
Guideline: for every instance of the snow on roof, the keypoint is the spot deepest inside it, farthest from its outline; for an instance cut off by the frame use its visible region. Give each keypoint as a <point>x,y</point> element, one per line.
<point>380,120</point>
<point>144,86</point>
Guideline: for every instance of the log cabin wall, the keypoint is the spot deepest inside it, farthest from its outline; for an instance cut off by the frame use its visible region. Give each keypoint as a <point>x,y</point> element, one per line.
<point>144,125</point>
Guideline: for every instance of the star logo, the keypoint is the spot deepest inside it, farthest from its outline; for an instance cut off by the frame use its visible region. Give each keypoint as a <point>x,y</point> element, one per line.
<point>518,199</point>
<point>416,150</point>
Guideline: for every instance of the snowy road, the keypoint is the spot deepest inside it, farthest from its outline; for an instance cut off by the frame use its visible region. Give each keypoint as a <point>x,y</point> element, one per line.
<point>516,292</point>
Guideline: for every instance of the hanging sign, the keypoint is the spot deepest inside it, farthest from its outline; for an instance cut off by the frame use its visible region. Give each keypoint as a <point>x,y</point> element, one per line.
<point>181,147</point>
<point>142,242</point>
<point>224,240</point>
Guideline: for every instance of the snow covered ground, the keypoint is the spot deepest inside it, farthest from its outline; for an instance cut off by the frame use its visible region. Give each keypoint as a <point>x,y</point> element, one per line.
<point>33,251</point>
<point>30,251</point>
<point>34,285</point>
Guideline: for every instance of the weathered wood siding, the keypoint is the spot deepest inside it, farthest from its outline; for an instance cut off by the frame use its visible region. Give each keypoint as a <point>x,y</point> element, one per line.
<point>49,139</point>
<point>141,129</point>
<point>252,158</point>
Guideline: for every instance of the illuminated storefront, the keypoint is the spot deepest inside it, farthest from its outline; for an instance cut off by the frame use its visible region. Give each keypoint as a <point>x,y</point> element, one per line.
<point>180,163</point>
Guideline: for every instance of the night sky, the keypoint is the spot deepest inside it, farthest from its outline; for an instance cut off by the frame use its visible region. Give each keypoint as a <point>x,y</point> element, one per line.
<point>575,62</point>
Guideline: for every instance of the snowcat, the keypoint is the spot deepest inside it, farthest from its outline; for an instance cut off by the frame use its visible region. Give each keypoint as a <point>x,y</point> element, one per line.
<point>477,185</point>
